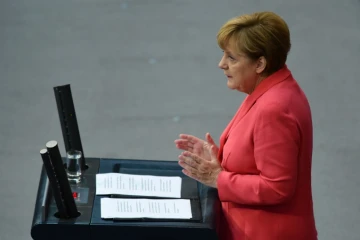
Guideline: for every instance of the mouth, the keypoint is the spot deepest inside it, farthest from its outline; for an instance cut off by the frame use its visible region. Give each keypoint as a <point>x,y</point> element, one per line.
<point>227,75</point>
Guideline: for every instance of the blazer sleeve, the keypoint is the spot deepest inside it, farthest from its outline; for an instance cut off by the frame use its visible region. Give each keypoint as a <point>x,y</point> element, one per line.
<point>276,149</point>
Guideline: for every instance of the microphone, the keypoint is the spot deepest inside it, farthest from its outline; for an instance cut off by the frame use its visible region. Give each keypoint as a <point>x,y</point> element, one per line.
<point>59,183</point>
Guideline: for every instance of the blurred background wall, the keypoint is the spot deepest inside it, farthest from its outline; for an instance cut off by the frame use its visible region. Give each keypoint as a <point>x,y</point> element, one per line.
<point>142,72</point>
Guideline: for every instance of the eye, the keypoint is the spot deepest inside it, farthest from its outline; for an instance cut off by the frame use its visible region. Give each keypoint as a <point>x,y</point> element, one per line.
<point>231,58</point>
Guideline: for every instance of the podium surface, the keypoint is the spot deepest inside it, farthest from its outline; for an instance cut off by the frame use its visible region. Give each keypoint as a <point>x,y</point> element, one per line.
<point>89,225</point>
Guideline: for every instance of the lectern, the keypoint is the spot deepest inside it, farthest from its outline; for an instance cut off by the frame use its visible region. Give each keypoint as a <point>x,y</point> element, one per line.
<point>71,210</point>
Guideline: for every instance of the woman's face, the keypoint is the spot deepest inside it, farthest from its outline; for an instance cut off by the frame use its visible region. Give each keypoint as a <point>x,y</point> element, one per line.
<point>242,73</point>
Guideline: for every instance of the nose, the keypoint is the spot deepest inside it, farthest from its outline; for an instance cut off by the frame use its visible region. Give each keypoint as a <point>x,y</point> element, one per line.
<point>222,63</point>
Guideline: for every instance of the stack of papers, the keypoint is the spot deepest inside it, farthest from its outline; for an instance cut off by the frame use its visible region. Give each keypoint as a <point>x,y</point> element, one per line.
<point>138,185</point>
<point>141,185</point>
<point>145,208</point>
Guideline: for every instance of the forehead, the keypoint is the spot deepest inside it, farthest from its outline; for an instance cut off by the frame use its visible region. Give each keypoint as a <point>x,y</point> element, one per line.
<point>232,47</point>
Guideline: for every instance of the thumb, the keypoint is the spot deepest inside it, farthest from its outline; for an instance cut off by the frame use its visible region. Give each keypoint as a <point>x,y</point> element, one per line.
<point>212,152</point>
<point>209,139</point>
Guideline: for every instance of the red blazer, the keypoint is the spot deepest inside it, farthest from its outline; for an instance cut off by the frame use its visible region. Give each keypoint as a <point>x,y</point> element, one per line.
<point>266,154</point>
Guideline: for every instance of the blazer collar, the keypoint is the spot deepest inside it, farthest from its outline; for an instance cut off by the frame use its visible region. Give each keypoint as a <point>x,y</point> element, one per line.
<point>250,100</point>
<point>264,86</point>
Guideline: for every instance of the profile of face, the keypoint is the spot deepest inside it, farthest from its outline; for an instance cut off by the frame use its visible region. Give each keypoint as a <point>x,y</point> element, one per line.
<point>243,74</point>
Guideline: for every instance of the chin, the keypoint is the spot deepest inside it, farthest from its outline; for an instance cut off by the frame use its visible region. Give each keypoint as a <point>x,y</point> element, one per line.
<point>230,86</point>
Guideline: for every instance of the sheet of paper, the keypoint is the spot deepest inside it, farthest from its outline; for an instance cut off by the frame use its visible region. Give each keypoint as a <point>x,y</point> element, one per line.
<point>138,185</point>
<point>145,208</point>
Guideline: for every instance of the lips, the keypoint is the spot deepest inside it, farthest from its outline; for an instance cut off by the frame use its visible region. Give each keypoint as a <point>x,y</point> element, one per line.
<point>228,76</point>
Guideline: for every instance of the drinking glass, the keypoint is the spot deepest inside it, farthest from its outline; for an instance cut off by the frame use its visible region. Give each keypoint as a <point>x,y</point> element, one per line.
<point>73,165</point>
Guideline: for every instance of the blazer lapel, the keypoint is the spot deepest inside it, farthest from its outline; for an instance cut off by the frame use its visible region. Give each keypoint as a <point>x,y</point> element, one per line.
<point>225,133</point>
<point>250,100</point>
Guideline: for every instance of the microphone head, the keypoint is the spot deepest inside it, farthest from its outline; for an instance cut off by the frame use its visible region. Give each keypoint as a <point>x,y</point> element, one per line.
<point>43,151</point>
<point>51,144</point>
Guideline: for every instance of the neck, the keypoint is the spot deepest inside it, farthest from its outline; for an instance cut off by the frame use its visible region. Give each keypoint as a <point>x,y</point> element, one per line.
<point>257,82</point>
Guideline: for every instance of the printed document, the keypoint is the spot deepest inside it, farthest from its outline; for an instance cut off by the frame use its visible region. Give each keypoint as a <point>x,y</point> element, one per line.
<point>145,208</point>
<point>138,185</point>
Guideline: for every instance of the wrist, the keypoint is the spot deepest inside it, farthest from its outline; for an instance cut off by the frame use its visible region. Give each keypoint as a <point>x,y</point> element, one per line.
<point>216,178</point>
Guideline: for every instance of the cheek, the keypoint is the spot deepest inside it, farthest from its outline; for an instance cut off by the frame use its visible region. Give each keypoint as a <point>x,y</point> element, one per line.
<point>239,78</point>
<point>237,72</point>
<point>244,76</point>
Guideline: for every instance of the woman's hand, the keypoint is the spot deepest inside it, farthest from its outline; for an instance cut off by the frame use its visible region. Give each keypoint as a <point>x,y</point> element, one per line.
<point>196,145</point>
<point>203,170</point>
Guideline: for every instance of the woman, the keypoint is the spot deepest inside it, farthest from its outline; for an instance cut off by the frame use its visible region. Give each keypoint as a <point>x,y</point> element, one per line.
<point>262,168</point>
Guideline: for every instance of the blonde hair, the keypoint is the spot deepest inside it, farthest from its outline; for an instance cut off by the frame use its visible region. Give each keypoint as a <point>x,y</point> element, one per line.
<point>258,34</point>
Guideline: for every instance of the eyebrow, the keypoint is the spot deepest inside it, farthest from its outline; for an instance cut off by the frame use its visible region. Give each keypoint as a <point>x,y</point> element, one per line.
<point>235,54</point>
<point>227,52</point>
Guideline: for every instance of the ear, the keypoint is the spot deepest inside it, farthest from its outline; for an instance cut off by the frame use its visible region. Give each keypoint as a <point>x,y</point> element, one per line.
<point>261,65</point>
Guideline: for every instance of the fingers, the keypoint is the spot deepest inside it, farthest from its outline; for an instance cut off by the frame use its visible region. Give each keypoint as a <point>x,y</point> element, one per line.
<point>212,142</point>
<point>209,139</point>
<point>184,144</point>
<point>191,175</point>
<point>191,161</point>
<point>209,148</point>
<point>212,151</point>
<point>199,169</point>
<point>187,165</point>
<point>190,138</point>
<point>192,172</point>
